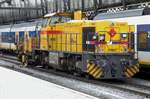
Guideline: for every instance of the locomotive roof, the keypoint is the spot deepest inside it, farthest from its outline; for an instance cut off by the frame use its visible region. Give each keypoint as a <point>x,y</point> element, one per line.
<point>59,14</point>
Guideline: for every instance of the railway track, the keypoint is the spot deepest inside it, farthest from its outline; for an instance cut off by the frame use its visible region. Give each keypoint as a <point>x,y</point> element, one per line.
<point>129,85</point>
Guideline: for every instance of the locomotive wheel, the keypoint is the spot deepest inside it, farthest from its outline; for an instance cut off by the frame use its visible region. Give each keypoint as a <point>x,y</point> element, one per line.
<point>76,74</point>
<point>87,76</point>
<point>46,66</point>
<point>19,57</point>
<point>24,60</point>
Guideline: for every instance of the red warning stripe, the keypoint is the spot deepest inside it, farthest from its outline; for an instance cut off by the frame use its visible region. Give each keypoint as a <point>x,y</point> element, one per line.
<point>51,32</point>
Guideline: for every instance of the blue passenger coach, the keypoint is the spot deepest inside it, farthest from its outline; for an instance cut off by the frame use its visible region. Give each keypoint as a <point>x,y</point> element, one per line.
<point>143,42</point>
<point>12,36</point>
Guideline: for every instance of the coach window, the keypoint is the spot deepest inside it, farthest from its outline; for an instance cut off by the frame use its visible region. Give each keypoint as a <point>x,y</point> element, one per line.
<point>143,40</point>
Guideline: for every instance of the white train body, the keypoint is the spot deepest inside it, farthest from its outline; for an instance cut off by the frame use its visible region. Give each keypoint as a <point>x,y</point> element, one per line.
<point>142,24</point>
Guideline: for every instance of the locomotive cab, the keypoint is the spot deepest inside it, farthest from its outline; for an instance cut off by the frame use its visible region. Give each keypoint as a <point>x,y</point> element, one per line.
<point>56,18</point>
<point>52,19</point>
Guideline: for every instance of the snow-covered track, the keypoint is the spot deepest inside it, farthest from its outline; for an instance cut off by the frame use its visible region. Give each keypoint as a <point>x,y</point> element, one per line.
<point>106,88</point>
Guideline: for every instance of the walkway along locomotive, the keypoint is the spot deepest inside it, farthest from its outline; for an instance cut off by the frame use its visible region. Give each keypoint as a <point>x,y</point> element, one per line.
<point>101,49</point>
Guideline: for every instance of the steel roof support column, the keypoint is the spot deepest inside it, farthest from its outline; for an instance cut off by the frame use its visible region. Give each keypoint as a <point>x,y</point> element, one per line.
<point>65,5</point>
<point>95,4</point>
<point>46,6</point>
<point>124,4</point>
<point>83,4</point>
<point>42,6</point>
<point>56,5</point>
<point>68,5</point>
<point>100,4</point>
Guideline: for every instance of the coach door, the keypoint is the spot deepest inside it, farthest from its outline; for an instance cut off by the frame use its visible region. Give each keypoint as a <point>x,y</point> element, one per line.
<point>88,33</point>
<point>143,41</point>
<point>32,40</point>
<point>37,34</point>
<point>21,40</point>
<point>143,37</point>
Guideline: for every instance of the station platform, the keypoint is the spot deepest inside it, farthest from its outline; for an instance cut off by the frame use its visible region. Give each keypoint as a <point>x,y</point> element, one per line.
<point>16,85</point>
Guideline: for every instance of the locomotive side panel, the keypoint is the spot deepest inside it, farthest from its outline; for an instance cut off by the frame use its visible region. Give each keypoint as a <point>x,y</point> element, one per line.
<point>113,37</point>
<point>65,37</point>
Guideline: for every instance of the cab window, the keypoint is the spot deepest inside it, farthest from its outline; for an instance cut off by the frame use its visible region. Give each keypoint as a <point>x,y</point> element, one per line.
<point>65,19</point>
<point>59,19</point>
<point>54,20</point>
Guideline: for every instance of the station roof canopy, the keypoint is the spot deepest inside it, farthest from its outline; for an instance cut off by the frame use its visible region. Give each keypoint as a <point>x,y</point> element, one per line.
<point>121,14</point>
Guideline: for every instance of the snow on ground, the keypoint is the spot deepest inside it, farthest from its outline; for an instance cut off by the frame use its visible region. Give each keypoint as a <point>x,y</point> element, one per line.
<point>15,85</point>
<point>5,63</point>
<point>27,88</point>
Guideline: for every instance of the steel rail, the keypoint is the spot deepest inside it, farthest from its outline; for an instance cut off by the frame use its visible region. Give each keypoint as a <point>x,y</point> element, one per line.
<point>127,88</point>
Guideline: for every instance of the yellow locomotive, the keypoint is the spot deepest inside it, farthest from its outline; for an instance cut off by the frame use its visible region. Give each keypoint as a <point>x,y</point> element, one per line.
<point>101,49</point>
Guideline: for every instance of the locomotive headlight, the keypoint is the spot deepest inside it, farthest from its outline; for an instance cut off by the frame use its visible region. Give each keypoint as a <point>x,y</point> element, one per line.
<point>102,38</point>
<point>124,35</point>
<point>94,37</point>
